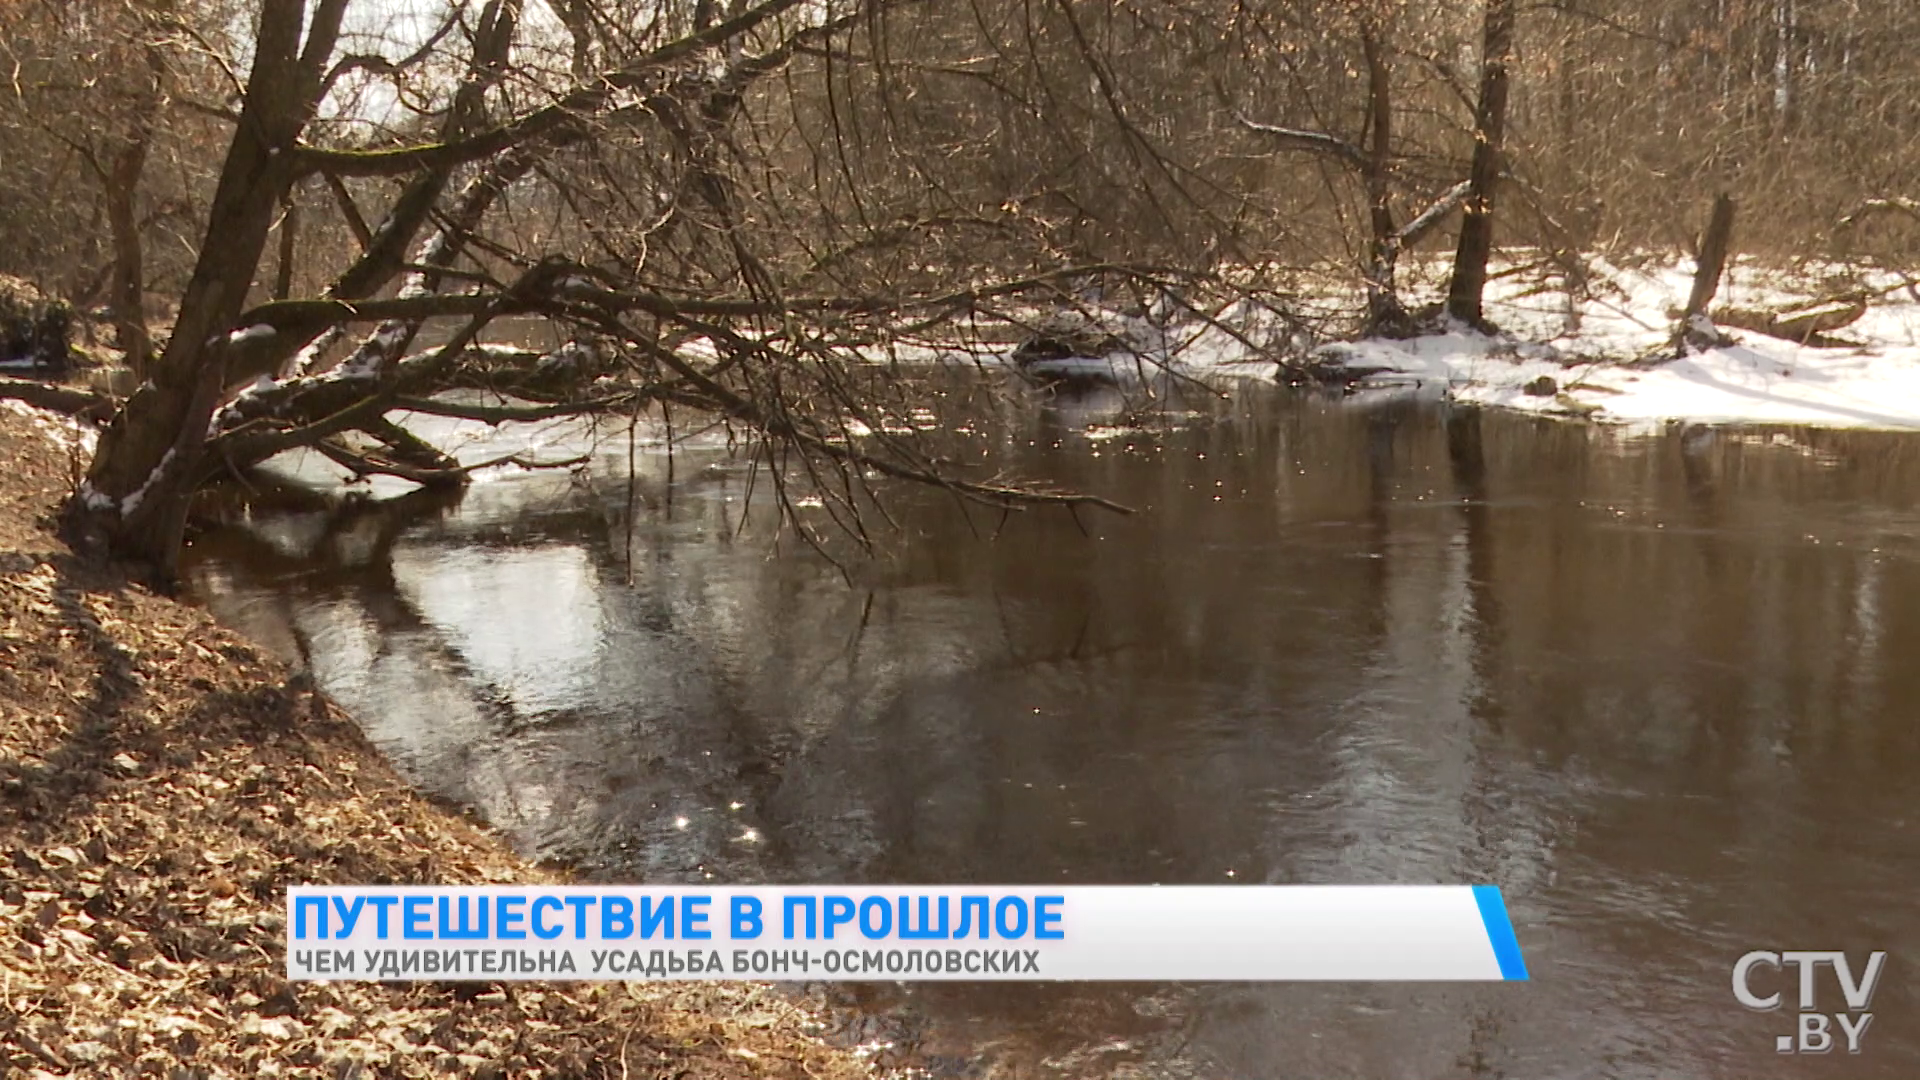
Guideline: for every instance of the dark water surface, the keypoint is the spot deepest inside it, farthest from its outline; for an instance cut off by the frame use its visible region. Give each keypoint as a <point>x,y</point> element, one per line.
<point>1664,687</point>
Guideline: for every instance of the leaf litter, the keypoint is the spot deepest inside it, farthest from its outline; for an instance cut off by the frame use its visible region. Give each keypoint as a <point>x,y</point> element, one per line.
<point>162,782</point>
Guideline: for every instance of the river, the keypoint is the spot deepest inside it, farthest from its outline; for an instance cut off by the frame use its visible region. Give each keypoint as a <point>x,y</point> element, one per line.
<point>1660,684</point>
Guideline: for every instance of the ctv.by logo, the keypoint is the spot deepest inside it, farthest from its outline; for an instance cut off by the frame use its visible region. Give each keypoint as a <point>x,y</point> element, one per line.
<point>1815,1030</point>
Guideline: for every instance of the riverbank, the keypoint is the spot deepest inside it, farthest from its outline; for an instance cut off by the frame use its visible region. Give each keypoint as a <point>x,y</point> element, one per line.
<point>162,781</point>
<point>1608,356</point>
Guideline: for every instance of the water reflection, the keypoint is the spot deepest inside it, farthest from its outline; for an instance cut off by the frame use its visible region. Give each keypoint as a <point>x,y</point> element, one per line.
<point>1652,683</point>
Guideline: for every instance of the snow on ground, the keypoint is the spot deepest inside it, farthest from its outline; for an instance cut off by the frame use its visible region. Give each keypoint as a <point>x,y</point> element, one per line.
<point>66,432</point>
<point>1872,382</point>
<point>1554,359</point>
<point>1560,359</point>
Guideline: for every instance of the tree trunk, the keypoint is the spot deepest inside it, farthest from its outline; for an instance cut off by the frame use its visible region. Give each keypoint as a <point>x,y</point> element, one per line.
<point>1384,311</point>
<point>1696,329</point>
<point>1466,293</point>
<point>577,17</point>
<point>1710,263</point>
<point>127,294</point>
<point>289,236</point>
<point>1783,41</point>
<point>134,501</point>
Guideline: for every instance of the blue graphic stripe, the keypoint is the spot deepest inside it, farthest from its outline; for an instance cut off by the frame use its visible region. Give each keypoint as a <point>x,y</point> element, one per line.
<point>1493,912</point>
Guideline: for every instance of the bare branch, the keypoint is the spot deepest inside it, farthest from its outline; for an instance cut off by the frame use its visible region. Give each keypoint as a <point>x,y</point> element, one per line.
<point>582,101</point>
<point>364,464</point>
<point>349,210</point>
<point>1424,222</point>
<point>84,404</point>
<point>380,65</point>
<point>502,414</point>
<point>1317,142</point>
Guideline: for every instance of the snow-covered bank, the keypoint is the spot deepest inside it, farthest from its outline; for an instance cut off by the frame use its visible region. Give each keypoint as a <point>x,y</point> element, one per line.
<point>1603,356</point>
<point>1578,362</point>
<point>1759,380</point>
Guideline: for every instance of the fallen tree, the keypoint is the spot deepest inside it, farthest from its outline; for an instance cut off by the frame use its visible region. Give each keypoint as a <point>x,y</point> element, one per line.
<point>84,404</point>
<point>1806,323</point>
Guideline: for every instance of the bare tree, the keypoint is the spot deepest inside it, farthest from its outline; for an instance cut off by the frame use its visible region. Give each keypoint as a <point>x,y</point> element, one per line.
<point>1466,292</point>
<point>112,102</point>
<point>740,207</point>
<point>678,302</point>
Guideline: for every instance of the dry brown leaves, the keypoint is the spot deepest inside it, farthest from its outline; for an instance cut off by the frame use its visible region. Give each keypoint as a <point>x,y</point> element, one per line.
<point>161,784</point>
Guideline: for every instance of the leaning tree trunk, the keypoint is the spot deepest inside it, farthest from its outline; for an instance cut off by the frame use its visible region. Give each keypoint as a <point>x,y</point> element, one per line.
<point>1466,293</point>
<point>1710,263</point>
<point>1695,329</point>
<point>134,501</point>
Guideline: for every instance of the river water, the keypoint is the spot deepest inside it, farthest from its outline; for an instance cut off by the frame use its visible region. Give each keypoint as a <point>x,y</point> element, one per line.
<point>1661,686</point>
